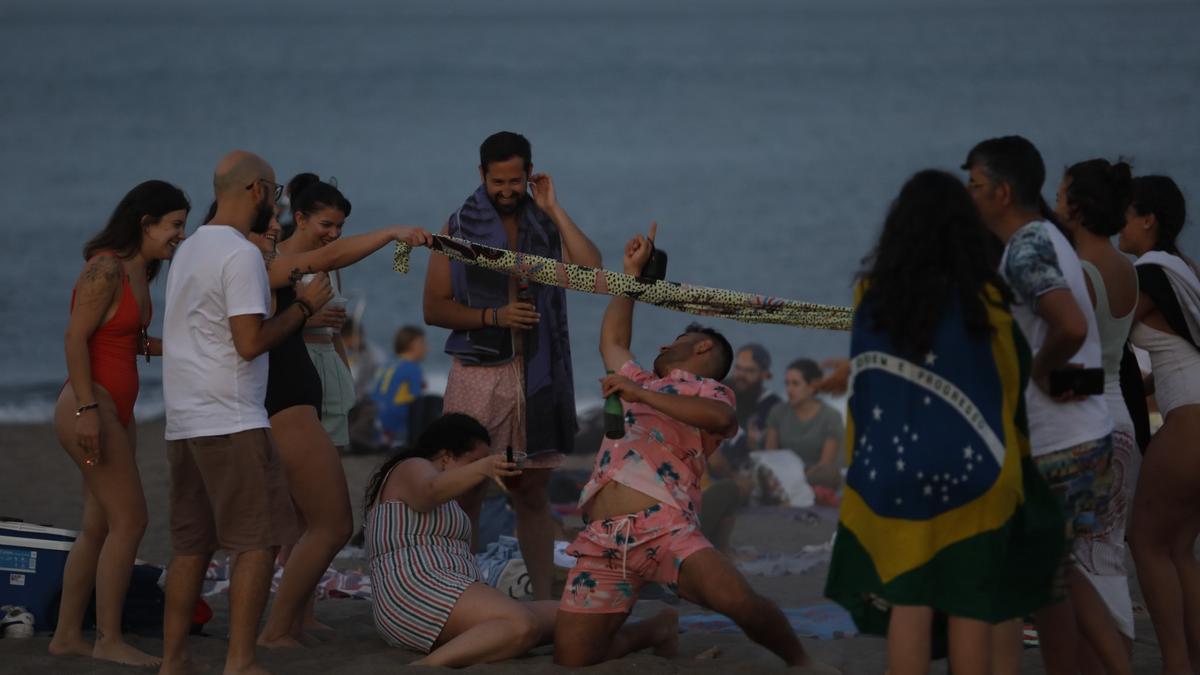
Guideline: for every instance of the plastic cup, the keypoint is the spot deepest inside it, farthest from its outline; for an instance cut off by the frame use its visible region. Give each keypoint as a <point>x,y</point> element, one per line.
<point>519,457</point>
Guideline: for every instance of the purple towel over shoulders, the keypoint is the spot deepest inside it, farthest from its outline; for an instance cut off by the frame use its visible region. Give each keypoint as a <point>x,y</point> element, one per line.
<point>549,381</point>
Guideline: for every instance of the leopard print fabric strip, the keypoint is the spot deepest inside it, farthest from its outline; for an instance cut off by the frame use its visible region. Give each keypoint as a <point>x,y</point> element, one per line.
<point>736,305</point>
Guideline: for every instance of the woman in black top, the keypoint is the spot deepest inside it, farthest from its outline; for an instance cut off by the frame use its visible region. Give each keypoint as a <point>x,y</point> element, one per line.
<point>314,470</point>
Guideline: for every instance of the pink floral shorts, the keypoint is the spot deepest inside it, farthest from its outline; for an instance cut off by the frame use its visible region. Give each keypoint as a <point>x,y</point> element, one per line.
<point>616,556</point>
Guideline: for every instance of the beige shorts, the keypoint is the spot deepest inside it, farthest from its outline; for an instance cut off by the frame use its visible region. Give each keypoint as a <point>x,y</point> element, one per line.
<point>228,492</point>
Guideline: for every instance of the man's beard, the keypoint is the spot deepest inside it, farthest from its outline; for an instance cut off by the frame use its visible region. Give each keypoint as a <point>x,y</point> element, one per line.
<point>262,218</point>
<point>746,400</point>
<point>510,208</point>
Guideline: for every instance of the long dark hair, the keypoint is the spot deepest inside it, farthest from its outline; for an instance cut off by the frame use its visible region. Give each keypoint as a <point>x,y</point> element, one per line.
<point>455,433</point>
<point>1098,194</point>
<point>123,232</point>
<point>934,250</point>
<point>1162,197</point>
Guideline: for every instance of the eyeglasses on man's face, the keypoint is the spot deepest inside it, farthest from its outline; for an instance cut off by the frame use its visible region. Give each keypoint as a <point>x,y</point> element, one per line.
<point>278,187</point>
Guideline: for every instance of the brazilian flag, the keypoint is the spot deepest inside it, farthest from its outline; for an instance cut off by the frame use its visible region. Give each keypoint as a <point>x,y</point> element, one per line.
<point>943,506</point>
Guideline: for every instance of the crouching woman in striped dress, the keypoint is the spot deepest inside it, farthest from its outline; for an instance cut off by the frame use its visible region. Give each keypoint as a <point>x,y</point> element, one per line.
<point>428,596</point>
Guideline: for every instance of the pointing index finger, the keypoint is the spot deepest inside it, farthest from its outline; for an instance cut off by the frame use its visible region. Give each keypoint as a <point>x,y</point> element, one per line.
<point>653,230</point>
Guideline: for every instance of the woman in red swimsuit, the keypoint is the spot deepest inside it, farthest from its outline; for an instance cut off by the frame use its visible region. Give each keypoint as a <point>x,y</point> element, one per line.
<point>110,310</point>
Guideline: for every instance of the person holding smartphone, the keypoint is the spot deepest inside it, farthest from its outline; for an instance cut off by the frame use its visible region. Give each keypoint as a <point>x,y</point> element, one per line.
<point>1070,433</point>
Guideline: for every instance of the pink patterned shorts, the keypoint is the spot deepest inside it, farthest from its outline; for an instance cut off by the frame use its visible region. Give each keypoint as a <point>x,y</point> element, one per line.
<point>616,556</point>
<point>493,395</point>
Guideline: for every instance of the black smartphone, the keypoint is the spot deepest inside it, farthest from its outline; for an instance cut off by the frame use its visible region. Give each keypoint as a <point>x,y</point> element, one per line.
<point>1079,381</point>
<point>655,268</point>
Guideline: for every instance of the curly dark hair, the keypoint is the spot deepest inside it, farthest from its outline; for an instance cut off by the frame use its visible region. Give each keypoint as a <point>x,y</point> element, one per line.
<point>1098,194</point>
<point>934,250</point>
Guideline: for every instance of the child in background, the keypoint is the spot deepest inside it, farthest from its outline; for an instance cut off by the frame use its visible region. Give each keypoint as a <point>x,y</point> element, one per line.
<point>399,384</point>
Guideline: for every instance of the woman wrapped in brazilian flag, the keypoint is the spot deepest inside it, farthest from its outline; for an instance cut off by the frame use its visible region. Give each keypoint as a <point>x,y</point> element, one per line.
<point>946,528</point>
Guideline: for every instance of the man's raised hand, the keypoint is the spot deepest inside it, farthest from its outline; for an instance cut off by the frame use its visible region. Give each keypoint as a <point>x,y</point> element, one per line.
<point>638,250</point>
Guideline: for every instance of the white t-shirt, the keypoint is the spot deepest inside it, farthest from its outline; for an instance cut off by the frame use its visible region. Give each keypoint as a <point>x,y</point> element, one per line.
<point>1039,259</point>
<point>208,388</point>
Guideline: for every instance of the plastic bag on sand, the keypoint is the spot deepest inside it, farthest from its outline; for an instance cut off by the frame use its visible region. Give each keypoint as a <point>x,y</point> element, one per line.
<point>779,479</point>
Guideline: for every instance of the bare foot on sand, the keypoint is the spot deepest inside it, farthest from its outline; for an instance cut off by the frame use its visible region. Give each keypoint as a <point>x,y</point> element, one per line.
<point>281,642</point>
<point>63,645</point>
<point>666,633</point>
<point>119,651</point>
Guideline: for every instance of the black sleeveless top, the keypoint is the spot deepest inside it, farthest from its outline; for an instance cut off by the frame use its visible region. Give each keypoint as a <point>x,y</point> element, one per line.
<point>292,379</point>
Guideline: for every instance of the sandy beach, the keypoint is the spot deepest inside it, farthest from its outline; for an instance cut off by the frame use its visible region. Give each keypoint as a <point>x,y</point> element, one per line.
<point>40,485</point>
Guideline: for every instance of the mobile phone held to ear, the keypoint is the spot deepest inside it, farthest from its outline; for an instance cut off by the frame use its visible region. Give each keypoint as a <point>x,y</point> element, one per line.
<point>1079,381</point>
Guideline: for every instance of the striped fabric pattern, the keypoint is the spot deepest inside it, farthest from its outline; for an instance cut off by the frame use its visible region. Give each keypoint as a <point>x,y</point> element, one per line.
<point>420,563</point>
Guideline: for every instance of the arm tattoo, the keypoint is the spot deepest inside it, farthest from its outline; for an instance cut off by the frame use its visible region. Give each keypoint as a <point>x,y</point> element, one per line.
<point>100,277</point>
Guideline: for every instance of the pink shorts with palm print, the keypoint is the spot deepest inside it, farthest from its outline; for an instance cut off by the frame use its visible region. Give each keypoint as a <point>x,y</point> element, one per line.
<point>616,556</point>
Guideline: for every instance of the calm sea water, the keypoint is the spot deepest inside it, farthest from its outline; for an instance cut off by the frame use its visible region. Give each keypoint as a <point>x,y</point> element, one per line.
<point>766,137</point>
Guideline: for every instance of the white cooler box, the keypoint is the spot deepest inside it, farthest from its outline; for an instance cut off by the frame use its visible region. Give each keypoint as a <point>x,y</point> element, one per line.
<point>32,558</point>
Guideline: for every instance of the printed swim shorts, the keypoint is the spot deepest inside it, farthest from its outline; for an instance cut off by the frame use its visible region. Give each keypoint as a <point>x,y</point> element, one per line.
<point>616,556</point>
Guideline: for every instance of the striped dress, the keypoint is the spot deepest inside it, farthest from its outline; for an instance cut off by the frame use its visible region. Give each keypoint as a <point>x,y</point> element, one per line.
<point>420,565</point>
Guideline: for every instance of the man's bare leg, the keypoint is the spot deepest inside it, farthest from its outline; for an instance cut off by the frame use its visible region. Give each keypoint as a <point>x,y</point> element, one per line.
<point>587,639</point>
<point>249,586</point>
<point>535,530</point>
<point>184,580</point>
<point>709,579</point>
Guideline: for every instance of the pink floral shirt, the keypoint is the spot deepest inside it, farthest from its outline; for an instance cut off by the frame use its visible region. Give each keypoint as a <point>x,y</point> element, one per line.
<point>660,456</point>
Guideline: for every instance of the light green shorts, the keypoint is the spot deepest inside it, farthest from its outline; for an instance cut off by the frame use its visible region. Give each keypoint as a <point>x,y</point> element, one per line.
<point>337,386</point>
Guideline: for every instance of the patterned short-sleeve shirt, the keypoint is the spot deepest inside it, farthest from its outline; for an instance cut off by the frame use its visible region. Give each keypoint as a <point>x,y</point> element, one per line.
<point>1031,266</point>
<point>659,455</point>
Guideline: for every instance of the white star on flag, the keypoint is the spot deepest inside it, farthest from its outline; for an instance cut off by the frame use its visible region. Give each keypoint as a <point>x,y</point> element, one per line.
<point>878,413</point>
<point>872,474</point>
<point>899,465</point>
<point>928,400</point>
<point>928,490</point>
<point>930,359</point>
<point>968,452</point>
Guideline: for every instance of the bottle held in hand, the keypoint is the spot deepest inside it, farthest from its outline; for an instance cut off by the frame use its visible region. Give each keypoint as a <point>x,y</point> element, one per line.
<point>614,416</point>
